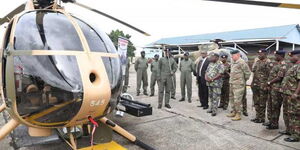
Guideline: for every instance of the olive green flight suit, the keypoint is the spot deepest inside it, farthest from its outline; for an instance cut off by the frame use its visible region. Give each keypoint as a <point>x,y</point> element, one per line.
<point>126,79</point>
<point>165,67</point>
<point>140,66</point>
<point>154,76</point>
<point>173,87</point>
<point>187,67</point>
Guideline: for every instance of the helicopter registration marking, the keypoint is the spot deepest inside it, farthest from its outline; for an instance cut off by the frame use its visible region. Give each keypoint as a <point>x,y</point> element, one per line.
<point>97,102</point>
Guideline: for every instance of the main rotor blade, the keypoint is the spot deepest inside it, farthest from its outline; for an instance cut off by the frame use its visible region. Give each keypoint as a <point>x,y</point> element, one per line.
<point>260,3</point>
<point>12,14</point>
<point>111,17</point>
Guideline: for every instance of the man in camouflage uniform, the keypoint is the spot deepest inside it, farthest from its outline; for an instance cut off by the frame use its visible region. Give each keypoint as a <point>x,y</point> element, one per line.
<point>186,67</point>
<point>274,82</point>
<point>239,74</point>
<point>154,74</point>
<point>291,89</point>
<point>140,66</point>
<point>225,87</point>
<point>166,69</point>
<point>213,79</point>
<point>126,80</point>
<point>261,72</point>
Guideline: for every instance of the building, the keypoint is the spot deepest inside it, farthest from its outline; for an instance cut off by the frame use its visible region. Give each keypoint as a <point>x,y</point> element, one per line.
<point>274,38</point>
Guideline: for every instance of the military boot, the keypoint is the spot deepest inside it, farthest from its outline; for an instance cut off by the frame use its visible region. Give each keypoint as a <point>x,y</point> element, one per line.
<point>237,117</point>
<point>232,114</point>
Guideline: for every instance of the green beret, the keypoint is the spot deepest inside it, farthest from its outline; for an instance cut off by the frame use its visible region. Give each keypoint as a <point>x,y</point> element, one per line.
<point>234,51</point>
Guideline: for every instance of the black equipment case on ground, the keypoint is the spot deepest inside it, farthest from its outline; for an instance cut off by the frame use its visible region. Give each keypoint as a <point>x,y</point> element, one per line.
<point>135,108</point>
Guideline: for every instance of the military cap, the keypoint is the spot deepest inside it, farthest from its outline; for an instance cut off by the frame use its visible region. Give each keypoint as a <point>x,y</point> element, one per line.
<point>224,56</point>
<point>186,54</point>
<point>262,51</point>
<point>215,54</point>
<point>142,51</point>
<point>295,52</point>
<point>156,55</point>
<point>280,52</point>
<point>234,51</point>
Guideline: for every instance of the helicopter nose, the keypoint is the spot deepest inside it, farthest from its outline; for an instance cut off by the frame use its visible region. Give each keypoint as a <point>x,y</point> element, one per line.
<point>96,87</point>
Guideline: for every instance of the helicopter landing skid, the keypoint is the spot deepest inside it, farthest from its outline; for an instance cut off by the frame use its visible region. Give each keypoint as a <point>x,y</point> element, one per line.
<point>106,146</point>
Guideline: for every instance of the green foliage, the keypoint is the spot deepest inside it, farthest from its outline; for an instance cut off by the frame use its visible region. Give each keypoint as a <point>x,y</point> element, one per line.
<point>115,34</point>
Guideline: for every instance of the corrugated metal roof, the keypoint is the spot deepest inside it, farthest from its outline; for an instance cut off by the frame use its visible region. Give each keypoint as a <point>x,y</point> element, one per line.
<point>287,33</point>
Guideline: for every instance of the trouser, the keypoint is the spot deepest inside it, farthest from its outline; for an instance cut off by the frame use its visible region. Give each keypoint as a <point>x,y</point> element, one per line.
<point>244,101</point>
<point>126,82</point>
<point>277,99</point>
<point>202,92</point>
<point>142,76</point>
<point>262,100</point>
<point>236,96</point>
<point>225,94</point>
<point>186,83</point>
<point>164,90</point>
<point>294,112</point>
<point>214,94</point>
<point>269,106</point>
<point>286,115</point>
<point>255,96</point>
<point>173,86</point>
<point>154,80</point>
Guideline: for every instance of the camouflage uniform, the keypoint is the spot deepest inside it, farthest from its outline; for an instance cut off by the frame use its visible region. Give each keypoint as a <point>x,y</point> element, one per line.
<point>126,80</point>
<point>225,87</point>
<point>261,72</point>
<point>154,76</point>
<point>289,86</point>
<point>244,101</point>
<point>165,67</point>
<point>140,66</point>
<point>186,68</point>
<point>239,74</point>
<point>214,87</point>
<point>278,70</point>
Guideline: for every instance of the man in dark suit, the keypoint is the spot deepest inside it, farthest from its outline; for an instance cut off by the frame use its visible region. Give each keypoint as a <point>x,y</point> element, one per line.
<point>200,75</point>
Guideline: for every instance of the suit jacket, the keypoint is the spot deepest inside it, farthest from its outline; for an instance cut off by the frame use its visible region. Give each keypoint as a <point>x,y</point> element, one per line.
<point>205,63</point>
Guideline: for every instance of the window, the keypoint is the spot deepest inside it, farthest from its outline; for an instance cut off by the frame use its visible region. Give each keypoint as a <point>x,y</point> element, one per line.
<point>46,30</point>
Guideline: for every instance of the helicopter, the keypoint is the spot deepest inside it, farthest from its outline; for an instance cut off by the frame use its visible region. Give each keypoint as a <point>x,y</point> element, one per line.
<point>58,71</point>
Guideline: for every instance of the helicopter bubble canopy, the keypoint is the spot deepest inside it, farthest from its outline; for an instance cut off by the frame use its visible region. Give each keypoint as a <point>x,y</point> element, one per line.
<point>49,88</point>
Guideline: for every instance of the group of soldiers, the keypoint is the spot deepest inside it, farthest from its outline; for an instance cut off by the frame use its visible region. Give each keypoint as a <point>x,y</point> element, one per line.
<point>220,82</point>
<point>275,84</point>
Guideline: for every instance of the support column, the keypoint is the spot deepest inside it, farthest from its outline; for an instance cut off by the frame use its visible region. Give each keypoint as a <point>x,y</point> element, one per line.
<point>277,45</point>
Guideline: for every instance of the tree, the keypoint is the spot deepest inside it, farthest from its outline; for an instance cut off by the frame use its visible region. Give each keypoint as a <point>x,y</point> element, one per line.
<point>115,34</point>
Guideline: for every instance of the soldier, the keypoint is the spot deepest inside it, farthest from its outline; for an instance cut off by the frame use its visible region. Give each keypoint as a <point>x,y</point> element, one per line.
<point>154,74</point>
<point>274,83</point>
<point>239,74</point>
<point>261,72</point>
<point>244,103</point>
<point>140,66</point>
<point>291,88</point>
<point>213,77</point>
<point>173,88</point>
<point>126,80</point>
<point>186,67</point>
<point>166,69</point>
<point>225,87</point>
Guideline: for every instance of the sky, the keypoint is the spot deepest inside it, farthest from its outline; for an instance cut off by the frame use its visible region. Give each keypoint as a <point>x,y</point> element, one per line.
<point>169,18</point>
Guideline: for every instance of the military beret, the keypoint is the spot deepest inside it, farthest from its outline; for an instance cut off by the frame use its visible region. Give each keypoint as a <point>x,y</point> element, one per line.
<point>280,52</point>
<point>215,54</point>
<point>262,51</point>
<point>142,51</point>
<point>295,52</point>
<point>186,54</point>
<point>224,56</point>
<point>156,55</point>
<point>234,51</point>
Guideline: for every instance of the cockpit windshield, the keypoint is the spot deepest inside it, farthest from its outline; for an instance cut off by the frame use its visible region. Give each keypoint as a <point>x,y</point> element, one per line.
<point>46,30</point>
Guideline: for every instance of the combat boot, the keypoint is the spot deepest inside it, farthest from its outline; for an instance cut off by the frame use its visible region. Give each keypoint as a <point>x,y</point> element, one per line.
<point>237,117</point>
<point>232,114</point>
